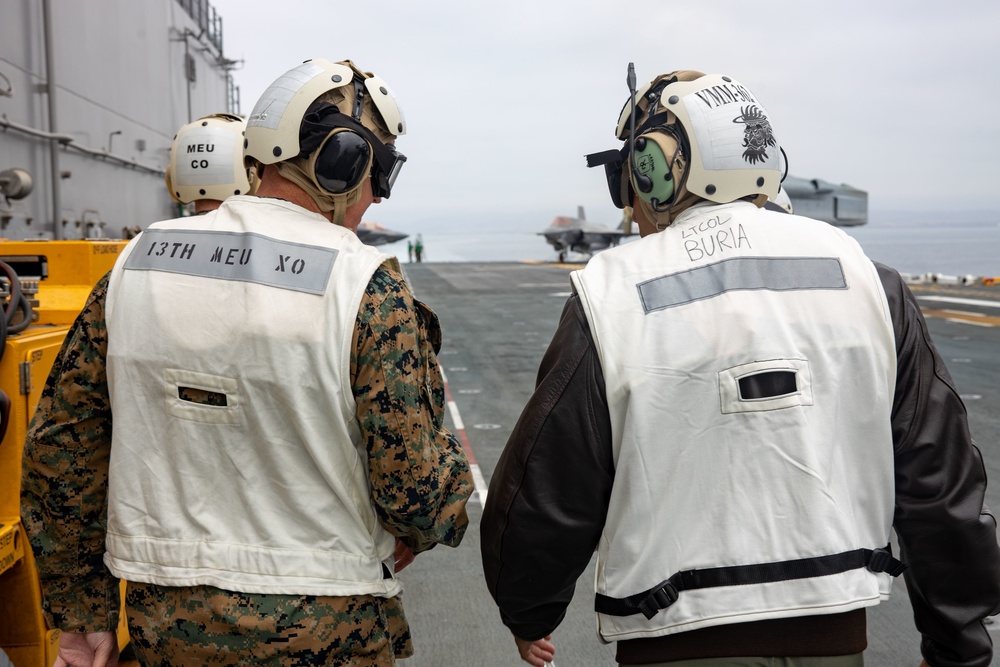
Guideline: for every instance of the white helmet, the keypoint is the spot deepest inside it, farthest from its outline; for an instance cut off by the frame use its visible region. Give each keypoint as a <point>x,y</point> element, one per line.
<point>783,201</point>
<point>206,160</point>
<point>696,136</point>
<point>274,124</point>
<point>292,119</point>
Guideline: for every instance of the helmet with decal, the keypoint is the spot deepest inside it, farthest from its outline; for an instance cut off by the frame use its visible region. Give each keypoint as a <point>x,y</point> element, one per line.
<point>328,127</point>
<point>696,137</point>
<point>206,160</point>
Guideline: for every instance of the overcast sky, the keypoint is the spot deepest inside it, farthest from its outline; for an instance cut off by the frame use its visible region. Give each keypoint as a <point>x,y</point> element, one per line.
<point>503,99</point>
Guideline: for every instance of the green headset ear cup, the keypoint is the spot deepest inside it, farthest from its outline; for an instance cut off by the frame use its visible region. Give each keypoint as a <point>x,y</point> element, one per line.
<point>652,163</point>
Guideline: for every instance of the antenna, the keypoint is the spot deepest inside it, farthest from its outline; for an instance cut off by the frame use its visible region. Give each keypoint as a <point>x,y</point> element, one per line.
<point>643,182</point>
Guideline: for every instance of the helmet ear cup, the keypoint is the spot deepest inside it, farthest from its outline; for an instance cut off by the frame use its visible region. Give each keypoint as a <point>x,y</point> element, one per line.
<point>342,161</point>
<point>652,175</point>
<point>641,181</point>
<point>253,179</point>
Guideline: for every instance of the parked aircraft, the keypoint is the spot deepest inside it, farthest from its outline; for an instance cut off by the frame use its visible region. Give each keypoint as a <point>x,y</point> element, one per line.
<point>839,205</point>
<point>577,234</point>
<point>372,233</point>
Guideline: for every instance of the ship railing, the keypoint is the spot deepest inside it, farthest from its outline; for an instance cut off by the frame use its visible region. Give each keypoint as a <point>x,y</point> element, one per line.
<point>206,18</point>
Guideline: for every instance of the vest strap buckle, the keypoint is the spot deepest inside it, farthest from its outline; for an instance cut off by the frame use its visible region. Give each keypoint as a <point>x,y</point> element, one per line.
<point>659,597</point>
<point>881,560</point>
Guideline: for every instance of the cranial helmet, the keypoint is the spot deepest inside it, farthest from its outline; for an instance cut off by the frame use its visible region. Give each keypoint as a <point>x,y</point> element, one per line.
<point>783,201</point>
<point>696,137</point>
<point>329,126</point>
<point>206,160</point>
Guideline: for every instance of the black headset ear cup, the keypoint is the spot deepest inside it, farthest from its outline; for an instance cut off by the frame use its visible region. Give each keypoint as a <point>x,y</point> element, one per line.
<point>342,161</point>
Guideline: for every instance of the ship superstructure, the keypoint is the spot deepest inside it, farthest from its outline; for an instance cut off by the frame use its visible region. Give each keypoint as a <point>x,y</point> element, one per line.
<point>91,94</point>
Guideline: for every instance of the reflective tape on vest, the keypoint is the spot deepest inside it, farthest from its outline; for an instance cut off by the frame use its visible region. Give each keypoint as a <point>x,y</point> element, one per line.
<point>743,273</point>
<point>247,257</point>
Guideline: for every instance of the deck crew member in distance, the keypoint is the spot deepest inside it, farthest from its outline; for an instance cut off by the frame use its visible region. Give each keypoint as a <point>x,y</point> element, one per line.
<point>278,451</point>
<point>734,412</point>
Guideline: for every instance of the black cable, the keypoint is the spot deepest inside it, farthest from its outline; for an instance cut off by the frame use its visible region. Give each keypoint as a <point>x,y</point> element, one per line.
<point>24,306</point>
<point>16,302</point>
<point>15,291</point>
<point>8,308</point>
<point>8,312</point>
<point>4,413</point>
<point>3,336</point>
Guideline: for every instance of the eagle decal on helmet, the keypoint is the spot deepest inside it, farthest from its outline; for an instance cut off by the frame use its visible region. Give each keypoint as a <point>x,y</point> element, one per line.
<point>757,135</point>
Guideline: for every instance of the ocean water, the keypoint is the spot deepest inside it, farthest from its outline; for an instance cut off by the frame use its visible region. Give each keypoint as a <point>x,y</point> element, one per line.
<point>949,249</point>
<point>946,249</point>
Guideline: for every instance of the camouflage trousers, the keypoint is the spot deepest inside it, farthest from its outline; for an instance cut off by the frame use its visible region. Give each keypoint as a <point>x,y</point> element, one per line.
<point>202,625</point>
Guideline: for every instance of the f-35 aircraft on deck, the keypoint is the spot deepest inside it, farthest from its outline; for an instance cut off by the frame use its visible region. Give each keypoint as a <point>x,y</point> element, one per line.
<point>372,233</point>
<point>577,234</point>
<point>840,205</point>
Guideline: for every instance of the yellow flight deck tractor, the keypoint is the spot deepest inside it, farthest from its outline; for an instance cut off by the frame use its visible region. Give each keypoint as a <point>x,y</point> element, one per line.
<point>43,286</point>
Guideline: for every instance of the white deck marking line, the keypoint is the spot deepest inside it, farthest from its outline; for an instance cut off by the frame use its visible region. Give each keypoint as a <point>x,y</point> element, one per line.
<point>975,324</point>
<point>966,302</point>
<point>455,416</point>
<point>477,475</point>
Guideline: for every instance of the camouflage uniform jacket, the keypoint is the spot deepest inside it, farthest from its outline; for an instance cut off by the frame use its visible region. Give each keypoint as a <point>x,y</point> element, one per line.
<point>419,476</point>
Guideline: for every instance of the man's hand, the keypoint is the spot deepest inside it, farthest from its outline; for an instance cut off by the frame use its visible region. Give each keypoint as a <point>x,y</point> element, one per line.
<point>537,653</point>
<point>403,555</point>
<point>87,649</point>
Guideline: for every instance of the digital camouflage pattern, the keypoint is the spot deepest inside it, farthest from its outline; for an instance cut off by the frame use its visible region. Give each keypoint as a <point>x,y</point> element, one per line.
<point>65,478</point>
<point>419,473</point>
<point>419,476</point>
<point>201,625</point>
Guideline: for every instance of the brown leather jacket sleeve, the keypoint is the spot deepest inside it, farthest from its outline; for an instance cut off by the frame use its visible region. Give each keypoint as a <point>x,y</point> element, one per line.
<point>550,491</point>
<point>946,534</point>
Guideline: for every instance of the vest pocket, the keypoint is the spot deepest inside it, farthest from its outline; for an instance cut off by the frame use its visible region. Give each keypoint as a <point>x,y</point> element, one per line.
<point>201,397</point>
<point>765,385</point>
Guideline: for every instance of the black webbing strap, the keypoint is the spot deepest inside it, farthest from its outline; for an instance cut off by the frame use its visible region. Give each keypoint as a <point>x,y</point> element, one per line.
<point>604,157</point>
<point>656,120</point>
<point>650,602</point>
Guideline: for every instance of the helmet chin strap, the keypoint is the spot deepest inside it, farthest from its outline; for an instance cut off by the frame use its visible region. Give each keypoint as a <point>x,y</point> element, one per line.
<point>294,172</point>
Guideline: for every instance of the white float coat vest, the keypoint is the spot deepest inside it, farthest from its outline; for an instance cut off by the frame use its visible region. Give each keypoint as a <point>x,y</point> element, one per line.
<point>750,366</point>
<point>257,302</point>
